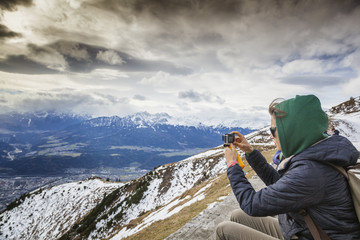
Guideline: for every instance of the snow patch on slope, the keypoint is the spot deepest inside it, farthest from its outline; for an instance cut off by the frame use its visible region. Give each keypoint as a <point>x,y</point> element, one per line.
<point>50,212</point>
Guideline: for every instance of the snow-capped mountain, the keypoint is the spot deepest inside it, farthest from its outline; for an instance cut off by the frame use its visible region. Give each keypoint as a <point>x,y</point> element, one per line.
<point>99,142</point>
<point>143,119</point>
<point>150,207</point>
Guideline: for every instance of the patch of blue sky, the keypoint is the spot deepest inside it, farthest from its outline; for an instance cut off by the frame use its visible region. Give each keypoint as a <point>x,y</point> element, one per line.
<point>12,92</point>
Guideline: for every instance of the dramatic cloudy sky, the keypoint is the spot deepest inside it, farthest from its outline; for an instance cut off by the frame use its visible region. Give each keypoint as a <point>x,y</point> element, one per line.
<point>209,59</point>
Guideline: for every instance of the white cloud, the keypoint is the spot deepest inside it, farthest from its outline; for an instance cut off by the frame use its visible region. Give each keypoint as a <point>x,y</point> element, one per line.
<point>110,57</point>
<point>325,47</point>
<point>352,88</point>
<point>159,79</point>
<point>106,74</point>
<point>75,3</point>
<point>304,67</point>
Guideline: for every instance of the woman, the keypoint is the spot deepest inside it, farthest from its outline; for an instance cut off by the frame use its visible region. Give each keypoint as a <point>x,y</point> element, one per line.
<point>302,180</point>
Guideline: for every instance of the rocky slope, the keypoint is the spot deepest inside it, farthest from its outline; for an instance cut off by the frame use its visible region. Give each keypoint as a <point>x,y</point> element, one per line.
<point>345,117</point>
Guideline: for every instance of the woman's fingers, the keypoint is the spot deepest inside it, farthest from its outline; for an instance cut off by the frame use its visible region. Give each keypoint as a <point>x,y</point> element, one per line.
<point>237,133</point>
<point>230,153</point>
<point>239,138</point>
<point>242,143</point>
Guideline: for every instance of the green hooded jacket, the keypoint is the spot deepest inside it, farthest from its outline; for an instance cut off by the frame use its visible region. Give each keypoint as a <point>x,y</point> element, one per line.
<point>303,124</point>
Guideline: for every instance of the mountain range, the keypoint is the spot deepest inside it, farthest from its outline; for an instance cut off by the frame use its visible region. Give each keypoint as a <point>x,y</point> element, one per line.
<point>151,207</point>
<point>48,143</point>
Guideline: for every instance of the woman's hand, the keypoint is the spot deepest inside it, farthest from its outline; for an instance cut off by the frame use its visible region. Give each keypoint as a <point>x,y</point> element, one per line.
<point>231,154</point>
<point>242,143</point>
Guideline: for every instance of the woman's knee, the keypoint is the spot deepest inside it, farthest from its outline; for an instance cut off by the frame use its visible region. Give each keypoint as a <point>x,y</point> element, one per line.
<point>223,228</point>
<point>238,215</point>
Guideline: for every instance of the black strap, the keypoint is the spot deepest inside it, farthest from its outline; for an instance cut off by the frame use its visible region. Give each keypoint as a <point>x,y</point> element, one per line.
<point>316,231</point>
<point>356,166</point>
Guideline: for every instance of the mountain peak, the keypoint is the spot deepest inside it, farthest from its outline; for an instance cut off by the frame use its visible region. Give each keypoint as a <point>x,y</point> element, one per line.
<point>140,119</point>
<point>145,118</point>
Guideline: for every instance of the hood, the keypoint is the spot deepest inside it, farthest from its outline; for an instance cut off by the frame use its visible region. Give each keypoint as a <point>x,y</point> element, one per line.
<point>337,150</point>
<point>302,126</point>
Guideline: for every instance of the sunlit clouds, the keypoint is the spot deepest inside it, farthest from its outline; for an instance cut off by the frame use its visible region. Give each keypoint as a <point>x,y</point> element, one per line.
<point>215,60</point>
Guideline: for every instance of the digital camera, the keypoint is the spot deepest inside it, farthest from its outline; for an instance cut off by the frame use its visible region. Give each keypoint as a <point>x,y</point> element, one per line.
<point>228,138</point>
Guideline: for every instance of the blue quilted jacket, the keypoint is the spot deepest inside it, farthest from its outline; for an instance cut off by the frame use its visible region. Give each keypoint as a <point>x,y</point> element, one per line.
<point>303,182</point>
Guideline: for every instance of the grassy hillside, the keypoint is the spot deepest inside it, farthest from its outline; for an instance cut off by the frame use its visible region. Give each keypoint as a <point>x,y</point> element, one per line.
<point>219,187</point>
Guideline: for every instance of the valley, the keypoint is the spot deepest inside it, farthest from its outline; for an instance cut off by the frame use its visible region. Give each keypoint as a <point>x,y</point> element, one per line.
<point>39,149</point>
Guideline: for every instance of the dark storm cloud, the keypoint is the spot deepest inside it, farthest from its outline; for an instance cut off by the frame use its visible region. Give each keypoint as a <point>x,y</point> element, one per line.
<point>127,62</point>
<point>84,58</point>
<point>11,5</point>
<point>200,97</point>
<point>163,8</point>
<point>258,31</point>
<point>5,32</point>
<point>22,64</point>
<point>40,60</point>
<point>38,50</point>
<point>54,102</point>
<point>211,38</point>
<point>314,81</point>
<point>211,10</point>
<point>178,25</point>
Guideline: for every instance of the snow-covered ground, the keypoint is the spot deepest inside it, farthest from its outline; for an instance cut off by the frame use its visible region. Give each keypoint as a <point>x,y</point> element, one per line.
<point>185,175</point>
<point>164,212</point>
<point>349,126</point>
<point>46,214</point>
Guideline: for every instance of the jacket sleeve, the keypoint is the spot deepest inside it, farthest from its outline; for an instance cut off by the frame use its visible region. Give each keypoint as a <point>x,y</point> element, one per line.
<point>299,188</point>
<point>264,170</point>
